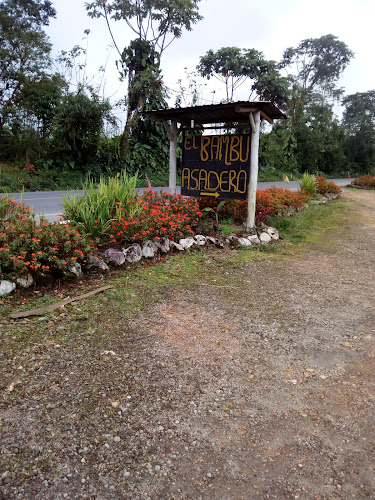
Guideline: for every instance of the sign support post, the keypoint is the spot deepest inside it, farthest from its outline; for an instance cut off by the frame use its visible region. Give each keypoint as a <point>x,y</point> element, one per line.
<point>172,132</point>
<point>253,181</point>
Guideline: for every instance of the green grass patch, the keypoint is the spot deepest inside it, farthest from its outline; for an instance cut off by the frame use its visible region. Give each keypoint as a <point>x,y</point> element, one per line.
<point>312,224</point>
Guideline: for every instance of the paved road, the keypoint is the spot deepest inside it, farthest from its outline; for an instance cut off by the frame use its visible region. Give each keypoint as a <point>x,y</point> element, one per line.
<point>49,203</point>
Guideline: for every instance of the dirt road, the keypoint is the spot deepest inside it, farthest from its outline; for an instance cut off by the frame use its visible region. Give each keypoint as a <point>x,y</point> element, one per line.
<point>257,382</point>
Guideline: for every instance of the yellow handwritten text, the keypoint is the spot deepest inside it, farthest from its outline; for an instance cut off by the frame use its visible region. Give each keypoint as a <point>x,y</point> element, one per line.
<point>225,181</point>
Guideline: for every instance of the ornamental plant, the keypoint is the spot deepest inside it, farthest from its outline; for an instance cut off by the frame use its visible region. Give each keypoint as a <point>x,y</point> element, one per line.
<point>365,181</point>
<point>269,202</point>
<point>323,186</point>
<point>161,214</point>
<point>308,183</point>
<point>102,203</point>
<point>30,247</point>
<point>215,212</point>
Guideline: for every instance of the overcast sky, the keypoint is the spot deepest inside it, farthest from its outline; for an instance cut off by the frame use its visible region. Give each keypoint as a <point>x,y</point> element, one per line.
<point>269,26</point>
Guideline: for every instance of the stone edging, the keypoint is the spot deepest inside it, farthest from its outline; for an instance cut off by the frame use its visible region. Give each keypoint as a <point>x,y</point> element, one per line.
<point>148,250</point>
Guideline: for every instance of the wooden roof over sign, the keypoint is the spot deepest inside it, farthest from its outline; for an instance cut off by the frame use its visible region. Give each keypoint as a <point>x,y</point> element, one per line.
<point>219,113</point>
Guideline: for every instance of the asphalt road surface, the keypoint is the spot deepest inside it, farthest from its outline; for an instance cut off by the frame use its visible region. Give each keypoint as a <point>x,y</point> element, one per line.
<point>49,203</point>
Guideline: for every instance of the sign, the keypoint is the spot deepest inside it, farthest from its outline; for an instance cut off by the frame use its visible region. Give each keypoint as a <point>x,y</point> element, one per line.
<point>216,166</point>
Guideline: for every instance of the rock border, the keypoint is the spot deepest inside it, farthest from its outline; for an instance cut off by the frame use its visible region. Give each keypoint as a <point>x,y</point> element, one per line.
<point>150,249</point>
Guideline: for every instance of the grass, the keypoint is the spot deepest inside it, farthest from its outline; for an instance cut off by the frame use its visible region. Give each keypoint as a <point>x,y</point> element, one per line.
<point>312,225</point>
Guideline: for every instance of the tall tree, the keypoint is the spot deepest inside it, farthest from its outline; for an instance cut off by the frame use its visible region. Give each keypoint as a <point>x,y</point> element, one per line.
<point>314,67</point>
<point>233,67</point>
<point>24,48</point>
<point>156,24</point>
<point>38,103</point>
<point>359,124</point>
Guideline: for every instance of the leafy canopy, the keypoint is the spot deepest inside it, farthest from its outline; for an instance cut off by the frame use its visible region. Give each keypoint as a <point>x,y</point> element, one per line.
<point>233,66</point>
<point>158,21</point>
<point>359,126</point>
<point>24,48</point>
<point>319,62</point>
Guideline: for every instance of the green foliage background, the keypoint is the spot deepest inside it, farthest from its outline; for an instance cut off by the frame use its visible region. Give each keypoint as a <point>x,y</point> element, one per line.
<point>51,137</point>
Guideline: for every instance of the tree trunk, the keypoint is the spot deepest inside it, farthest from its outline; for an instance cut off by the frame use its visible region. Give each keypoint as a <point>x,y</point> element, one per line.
<point>130,121</point>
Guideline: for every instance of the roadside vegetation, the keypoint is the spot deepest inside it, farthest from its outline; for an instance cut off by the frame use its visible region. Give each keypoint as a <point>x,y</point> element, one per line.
<point>111,215</point>
<point>365,181</point>
<point>305,226</point>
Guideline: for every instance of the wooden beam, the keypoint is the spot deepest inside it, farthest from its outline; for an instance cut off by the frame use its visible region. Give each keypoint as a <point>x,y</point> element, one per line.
<point>245,109</point>
<point>248,110</point>
<point>266,117</point>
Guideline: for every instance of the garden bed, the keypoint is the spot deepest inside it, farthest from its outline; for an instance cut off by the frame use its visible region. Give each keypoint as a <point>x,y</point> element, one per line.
<point>112,226</point>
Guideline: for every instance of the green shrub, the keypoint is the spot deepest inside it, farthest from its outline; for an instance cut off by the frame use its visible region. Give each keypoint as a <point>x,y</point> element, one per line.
<point>308,183</point>
<point>101,203</point>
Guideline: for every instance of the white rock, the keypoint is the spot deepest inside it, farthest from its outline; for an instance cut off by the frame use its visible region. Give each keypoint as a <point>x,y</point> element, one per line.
<point>244,242</point>
<point>178,246</point>
<point>76,270</point>
<point>254,240</point>
<point>200,239</point>
<point>164,244</point>
<point>114,257</point>
<point>149,249</point>
<point>98,264</point>
<point>187,242</point>
<point>133,254</point>
<point>6,287</point>
<point>25,281</point>
<point>273,232</point>
<point>265,238</point>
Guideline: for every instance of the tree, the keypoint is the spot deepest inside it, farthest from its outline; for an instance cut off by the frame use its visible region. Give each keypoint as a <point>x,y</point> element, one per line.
<point>156,23</point>
<point>359,123</point>
<point>77,128</point>
<point>314,67</point>
<point>38,103</point>
<point>24,49</point>
<point>234,66</point>
<point>317,64</point>
<point>144,84</point>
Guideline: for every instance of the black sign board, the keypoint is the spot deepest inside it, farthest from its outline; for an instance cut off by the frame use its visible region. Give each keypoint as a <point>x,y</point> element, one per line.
<point>216,166</point>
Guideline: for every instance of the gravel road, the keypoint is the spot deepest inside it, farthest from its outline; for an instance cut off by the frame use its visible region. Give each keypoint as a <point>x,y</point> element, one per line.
<point>257,385</point>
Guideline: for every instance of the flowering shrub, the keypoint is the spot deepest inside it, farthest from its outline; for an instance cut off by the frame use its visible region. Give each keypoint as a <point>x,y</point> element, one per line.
<point>365,181</point>
<point>162,214</point>
<point>274,201</point>
<point>269,202</point>
<point>29,247</point>
<point>323,186</point>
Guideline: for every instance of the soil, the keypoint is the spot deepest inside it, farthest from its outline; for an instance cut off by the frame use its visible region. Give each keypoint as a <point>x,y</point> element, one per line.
<point>260,385</point>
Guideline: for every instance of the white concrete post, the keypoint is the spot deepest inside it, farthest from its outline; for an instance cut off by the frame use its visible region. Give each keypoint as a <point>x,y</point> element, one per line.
<point>173,156</point>
<point>253,180</point>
